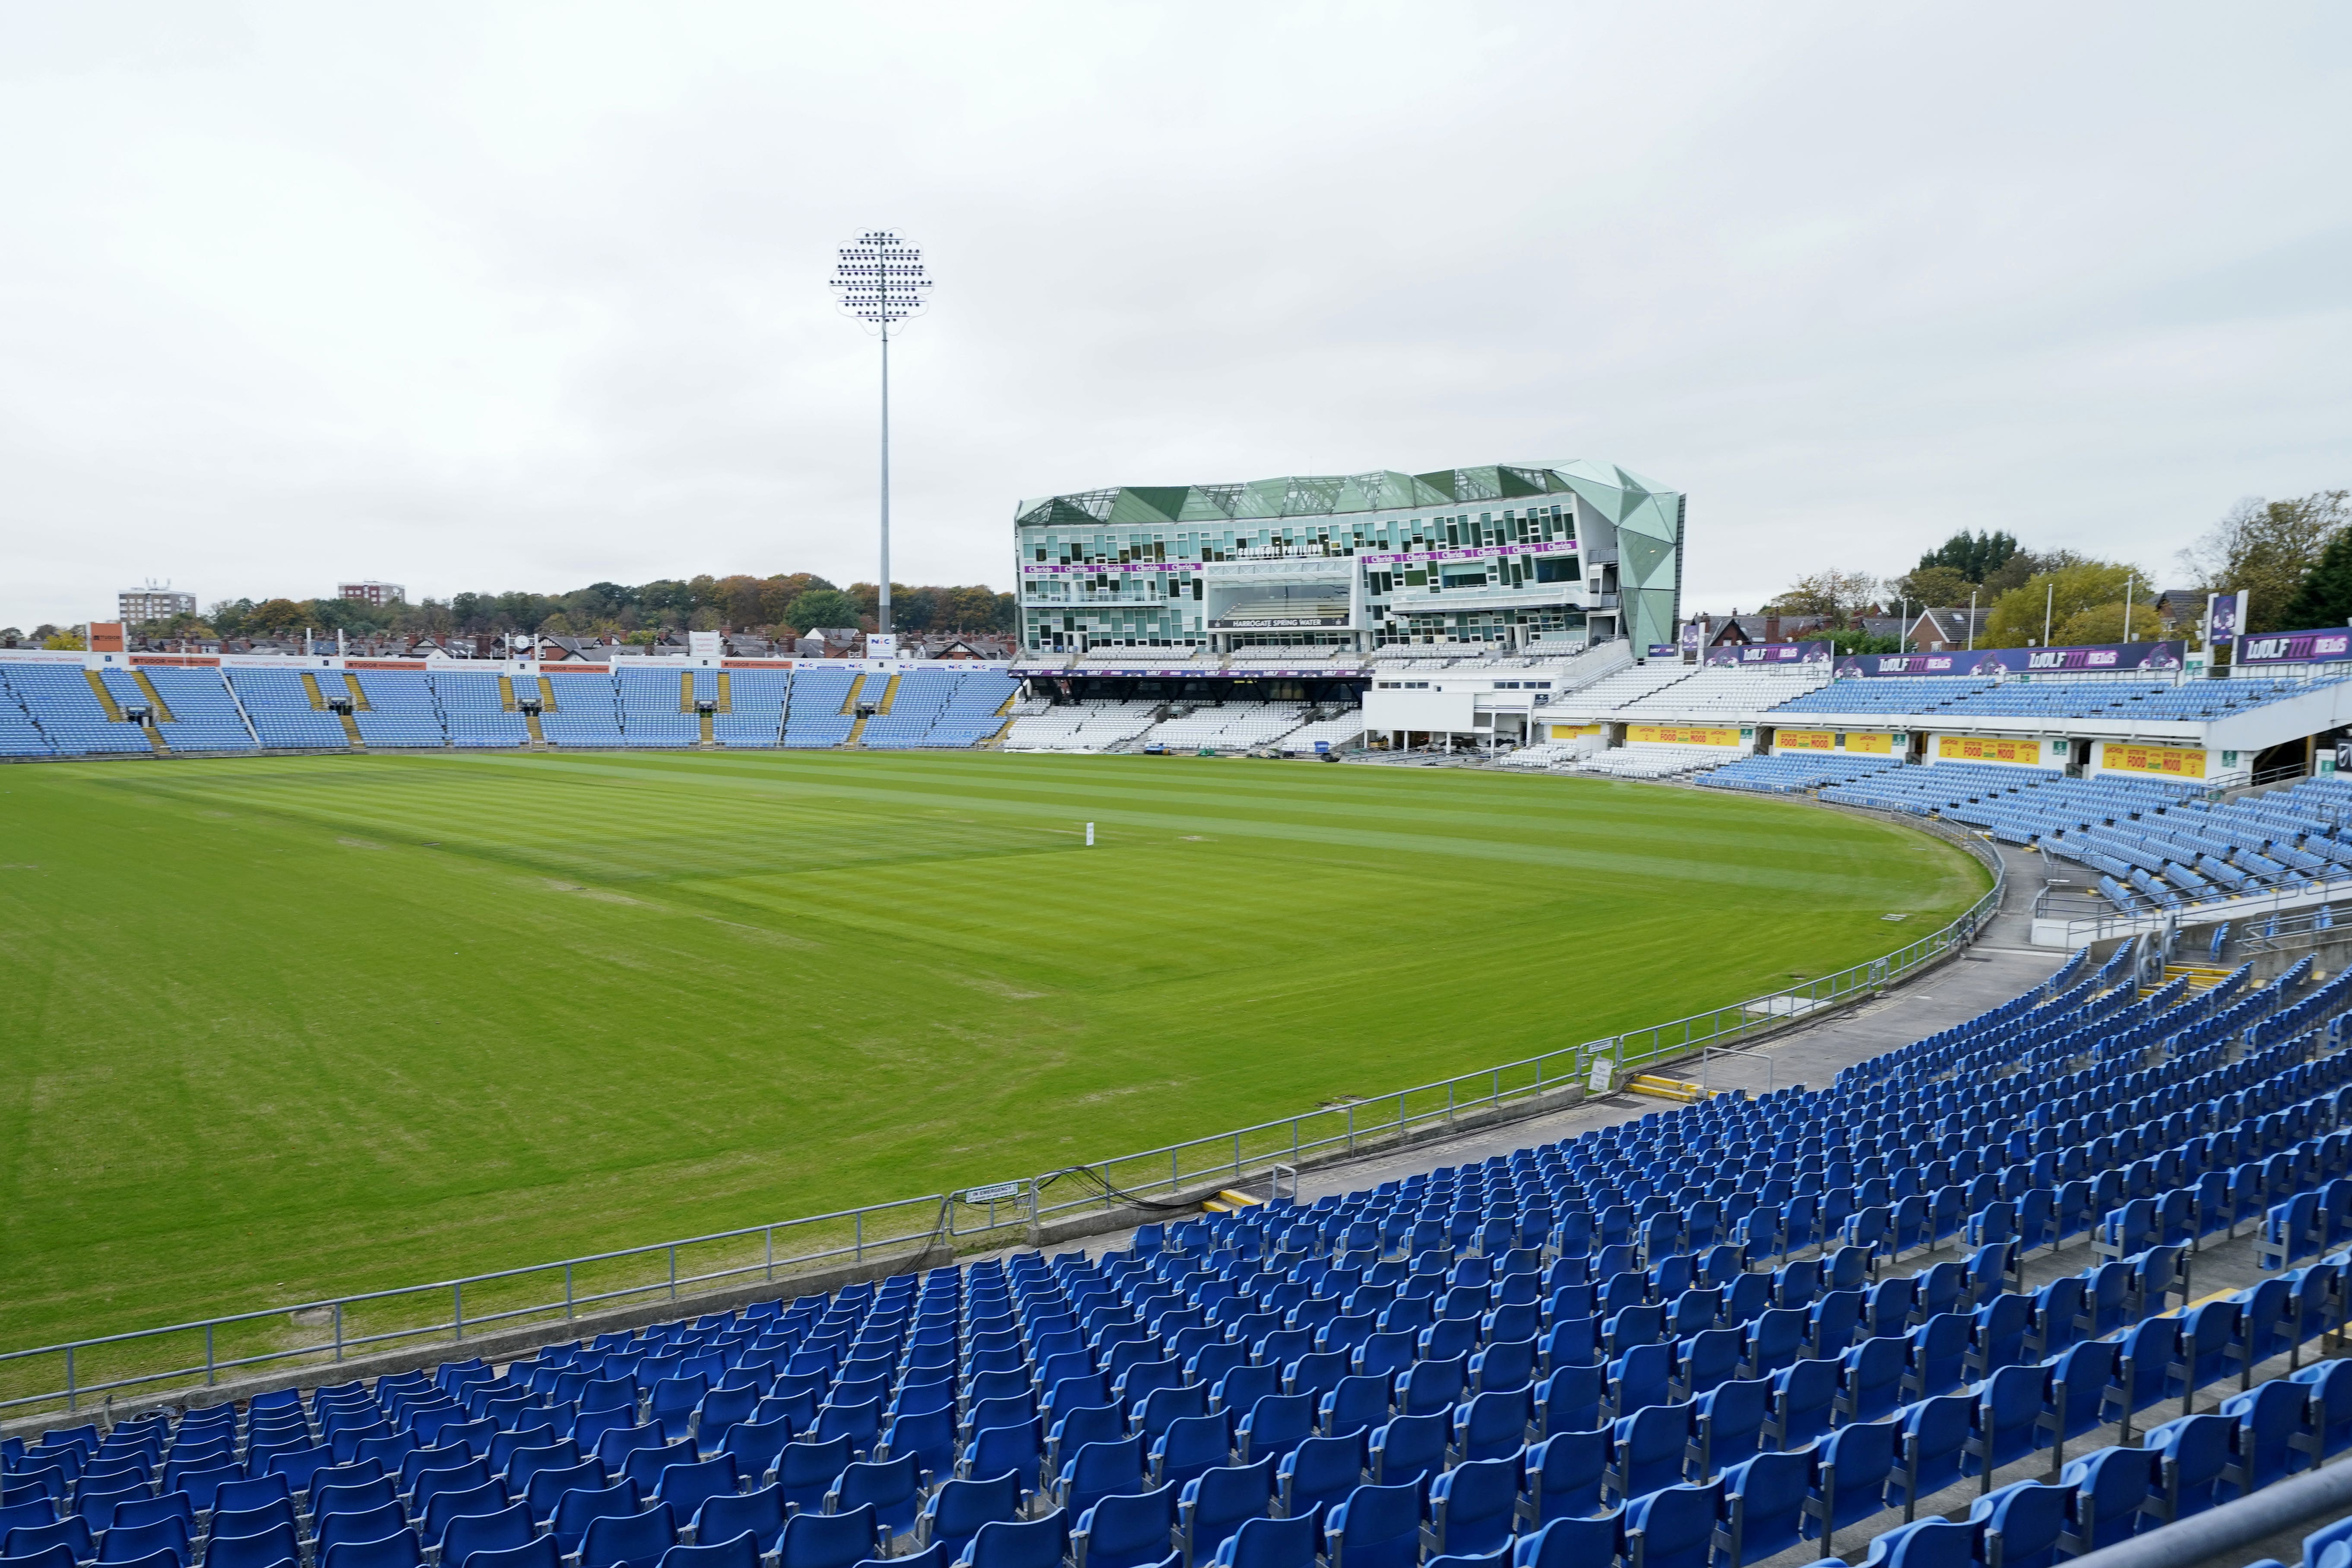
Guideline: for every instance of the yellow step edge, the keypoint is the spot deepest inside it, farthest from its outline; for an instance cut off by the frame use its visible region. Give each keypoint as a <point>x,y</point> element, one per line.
<point>155,703</point>
<point>105,697</point>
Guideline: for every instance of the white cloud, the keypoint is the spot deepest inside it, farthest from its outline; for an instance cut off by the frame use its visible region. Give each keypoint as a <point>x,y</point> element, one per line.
<point>494,297</point>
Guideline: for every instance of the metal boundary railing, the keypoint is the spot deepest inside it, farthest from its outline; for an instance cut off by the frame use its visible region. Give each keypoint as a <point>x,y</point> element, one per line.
<point>1341,1131</point>
<point>315,1335</point>
<point>2090,917</point>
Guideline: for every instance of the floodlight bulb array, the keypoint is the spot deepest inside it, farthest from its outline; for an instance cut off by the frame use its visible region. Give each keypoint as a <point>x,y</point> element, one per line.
<point>880,278</point>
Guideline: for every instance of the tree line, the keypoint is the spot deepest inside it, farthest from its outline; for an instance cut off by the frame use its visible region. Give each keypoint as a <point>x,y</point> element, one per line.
<point>780,607</point>
<point>2292,558</point>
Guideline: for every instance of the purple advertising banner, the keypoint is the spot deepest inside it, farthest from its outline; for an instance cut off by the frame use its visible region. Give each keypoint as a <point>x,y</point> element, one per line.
<point>2295,648</point>
<point>2225,617</point>
<point>1665,650</point>
<point>1475,553</point>
<point>2157,657</point>
<point>1756,653</point>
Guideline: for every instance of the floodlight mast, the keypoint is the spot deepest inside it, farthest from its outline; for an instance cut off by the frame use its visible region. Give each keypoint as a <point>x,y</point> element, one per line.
<point>879,280</point>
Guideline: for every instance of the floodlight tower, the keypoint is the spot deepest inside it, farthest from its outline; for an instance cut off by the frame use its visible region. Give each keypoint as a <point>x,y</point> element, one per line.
<point>879,280</point>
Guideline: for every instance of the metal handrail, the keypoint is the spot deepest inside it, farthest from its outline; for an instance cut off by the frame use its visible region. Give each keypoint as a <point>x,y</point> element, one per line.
<point>2092,918</point>
<point>1255,1151</point>
<point>2222,1534</point>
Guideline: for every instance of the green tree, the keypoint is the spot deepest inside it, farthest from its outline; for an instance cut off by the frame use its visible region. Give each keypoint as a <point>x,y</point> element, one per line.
<point>2324,597</point>
<point>1975,556</point>
<point>2266,548</point>
<point>1937,585</point>
<point>2065,592</point>
<point>2105,623</point>
<point>1854,639</point>
<point>821,607</point>
<point>2012,573</point>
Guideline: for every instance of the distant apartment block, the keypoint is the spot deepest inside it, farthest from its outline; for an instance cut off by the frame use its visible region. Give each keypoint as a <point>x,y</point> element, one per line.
<point>372,593</point>
<point>134,606</point>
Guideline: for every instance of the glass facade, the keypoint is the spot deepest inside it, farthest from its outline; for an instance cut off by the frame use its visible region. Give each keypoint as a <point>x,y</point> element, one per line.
<point>1501,555</point>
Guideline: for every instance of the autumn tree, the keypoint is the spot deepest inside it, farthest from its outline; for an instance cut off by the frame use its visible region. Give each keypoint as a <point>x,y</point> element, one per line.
<point>1837,596</point>
<point>2061,594</point>
<point>2266,549</point>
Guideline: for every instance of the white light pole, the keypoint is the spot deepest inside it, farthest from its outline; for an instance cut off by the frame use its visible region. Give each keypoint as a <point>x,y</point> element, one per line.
<point>879,280</point>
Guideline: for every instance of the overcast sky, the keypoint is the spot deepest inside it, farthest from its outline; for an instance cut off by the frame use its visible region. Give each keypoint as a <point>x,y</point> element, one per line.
<point>486,297</point>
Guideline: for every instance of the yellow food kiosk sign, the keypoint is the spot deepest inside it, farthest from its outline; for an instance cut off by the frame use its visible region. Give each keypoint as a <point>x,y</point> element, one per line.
<point>2179,761</point>
<point>1679,735</point>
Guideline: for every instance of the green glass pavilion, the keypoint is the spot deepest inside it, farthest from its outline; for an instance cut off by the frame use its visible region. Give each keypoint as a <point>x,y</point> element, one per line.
<point>1526,556</point>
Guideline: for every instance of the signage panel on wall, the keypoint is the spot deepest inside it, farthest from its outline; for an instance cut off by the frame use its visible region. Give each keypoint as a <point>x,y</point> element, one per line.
<point>1875,743</point>
<point>2091,659</point>
<point>1475,553</point>
<point>1679,735</point>
<point>1988,749</point>
<point>1770,653</point>
<point>2295,648</point>
<point>2225,617</point>
<point>2175,762</point>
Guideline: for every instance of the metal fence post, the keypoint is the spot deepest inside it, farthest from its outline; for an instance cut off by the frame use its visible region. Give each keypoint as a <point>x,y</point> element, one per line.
<point>771,1250</point>
<point>861,1235</point>
<point>673,1271</point>
<point>458,1307</point>
<point>208,1355</point>
<point>339,1331</point>
<point>1351,1130</point>
<point>1238,1156</point>
<point>567,1292</point>
<point>70,1378</point>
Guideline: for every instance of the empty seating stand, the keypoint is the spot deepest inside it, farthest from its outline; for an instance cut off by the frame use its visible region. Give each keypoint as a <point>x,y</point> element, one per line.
<point>1717,1334</point>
